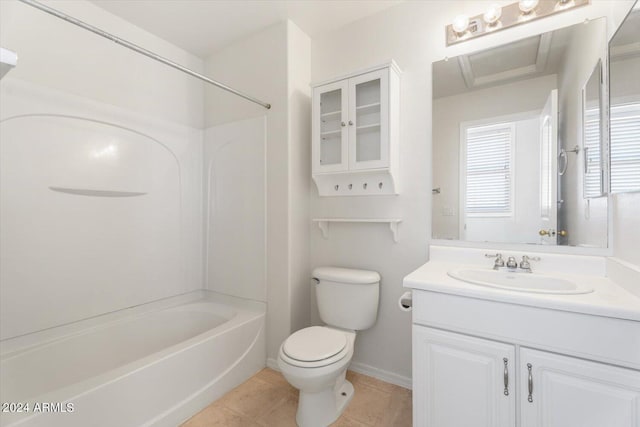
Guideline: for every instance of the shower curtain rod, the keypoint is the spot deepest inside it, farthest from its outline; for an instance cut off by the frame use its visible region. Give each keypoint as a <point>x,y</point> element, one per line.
<point>141,50</point>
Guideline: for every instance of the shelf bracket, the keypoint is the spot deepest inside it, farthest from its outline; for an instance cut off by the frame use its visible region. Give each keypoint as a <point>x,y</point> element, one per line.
<point>393,226</point>
<point>324,228</point>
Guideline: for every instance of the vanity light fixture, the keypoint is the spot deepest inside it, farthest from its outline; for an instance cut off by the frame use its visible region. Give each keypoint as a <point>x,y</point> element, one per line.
<point>460,24</point>
<point>498,17</point>
<point>493,14</point>
<point>527,6</point>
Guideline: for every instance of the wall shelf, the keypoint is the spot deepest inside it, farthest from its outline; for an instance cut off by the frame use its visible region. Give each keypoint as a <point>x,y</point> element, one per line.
<point>96,193</point>
<point>323,224</point>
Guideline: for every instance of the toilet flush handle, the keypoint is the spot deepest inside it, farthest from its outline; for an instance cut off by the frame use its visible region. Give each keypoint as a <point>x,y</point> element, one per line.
<point>316,280</point>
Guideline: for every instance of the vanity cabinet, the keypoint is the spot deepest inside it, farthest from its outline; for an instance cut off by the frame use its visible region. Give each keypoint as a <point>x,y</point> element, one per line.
<point>461,380</point>
<point>570,392</point>
<point>355,133</point>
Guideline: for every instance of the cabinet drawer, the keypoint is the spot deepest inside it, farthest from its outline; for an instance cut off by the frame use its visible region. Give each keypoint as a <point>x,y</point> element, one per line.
<point>604,339</point>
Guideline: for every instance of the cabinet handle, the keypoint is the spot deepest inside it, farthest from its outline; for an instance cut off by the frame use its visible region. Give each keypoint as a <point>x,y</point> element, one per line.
<point>343,124</point>
<point>506,376</point>
<point>530,398</point>
<point>350,122</point>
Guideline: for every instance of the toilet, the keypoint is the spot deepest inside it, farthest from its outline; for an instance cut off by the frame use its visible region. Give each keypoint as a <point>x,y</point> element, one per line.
<point>314,360</point>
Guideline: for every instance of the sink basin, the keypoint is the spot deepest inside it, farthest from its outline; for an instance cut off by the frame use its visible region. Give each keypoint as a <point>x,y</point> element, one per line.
<point>520,282</point>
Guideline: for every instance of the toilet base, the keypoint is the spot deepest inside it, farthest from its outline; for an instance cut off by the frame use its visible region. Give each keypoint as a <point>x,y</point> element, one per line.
<point>323,408</point>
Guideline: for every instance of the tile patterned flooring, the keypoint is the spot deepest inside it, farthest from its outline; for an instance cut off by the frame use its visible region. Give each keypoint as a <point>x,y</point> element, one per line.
<point>267,400</point>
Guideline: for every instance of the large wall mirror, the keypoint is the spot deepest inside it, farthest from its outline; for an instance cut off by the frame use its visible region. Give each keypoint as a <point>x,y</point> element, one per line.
<point>509,127</point>
<point>624,114</point>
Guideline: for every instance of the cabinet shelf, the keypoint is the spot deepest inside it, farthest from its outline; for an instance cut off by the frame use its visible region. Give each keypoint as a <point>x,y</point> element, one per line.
<point>368,108</point>
<point>330,133</point>
<point>323,224</point>
<point>331,113</point>
<point>373,126</point>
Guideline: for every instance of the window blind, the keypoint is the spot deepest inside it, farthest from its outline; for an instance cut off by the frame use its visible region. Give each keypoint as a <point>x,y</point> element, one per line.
<point>625,147</point>
<point>488,170</point>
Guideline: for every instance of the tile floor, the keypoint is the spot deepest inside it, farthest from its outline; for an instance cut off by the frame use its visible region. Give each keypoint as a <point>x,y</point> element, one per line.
<point>267,400</point>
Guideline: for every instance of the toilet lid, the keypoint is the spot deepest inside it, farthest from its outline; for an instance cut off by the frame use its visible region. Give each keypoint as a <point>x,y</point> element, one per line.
<point>314,343</point>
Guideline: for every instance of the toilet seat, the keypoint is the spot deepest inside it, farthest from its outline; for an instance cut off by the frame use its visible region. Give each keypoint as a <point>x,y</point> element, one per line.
<point>315,347</point>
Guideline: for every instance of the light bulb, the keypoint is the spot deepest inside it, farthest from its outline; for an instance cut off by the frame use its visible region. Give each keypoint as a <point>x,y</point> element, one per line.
<point>493,14</point>
<point>526,6</point>
<point>460,24</point>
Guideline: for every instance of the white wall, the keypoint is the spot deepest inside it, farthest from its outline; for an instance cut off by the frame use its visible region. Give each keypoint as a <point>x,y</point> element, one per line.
<point>235,199</point>
<point>626,227</point>
<point>497,102</point>
<point>94,254</point>
<point>299,100</point>
<point>273,65</point>
<point>59,55</point>
<point>585,220</point>
<point>412,33</point>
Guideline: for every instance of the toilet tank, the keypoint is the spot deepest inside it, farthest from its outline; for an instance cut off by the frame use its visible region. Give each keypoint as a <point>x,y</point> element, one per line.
<point>347,298</point>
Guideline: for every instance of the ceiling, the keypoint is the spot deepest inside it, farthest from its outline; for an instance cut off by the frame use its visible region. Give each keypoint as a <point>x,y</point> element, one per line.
<point>520,60</point>
<point>205,26</point>
<point>625,44</point>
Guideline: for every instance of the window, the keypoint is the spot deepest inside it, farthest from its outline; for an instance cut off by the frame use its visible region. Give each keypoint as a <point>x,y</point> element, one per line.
<point>625,148</point>
<point>487,163</point>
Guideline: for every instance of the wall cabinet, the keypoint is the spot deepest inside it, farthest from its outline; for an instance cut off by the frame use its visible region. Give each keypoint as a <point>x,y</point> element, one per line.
<point>355,133</point>
<point>467,381</point>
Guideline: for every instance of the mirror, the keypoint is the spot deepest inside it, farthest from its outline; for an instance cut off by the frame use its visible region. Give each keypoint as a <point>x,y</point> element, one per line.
<point>508,152</point>
<point>624,113</point>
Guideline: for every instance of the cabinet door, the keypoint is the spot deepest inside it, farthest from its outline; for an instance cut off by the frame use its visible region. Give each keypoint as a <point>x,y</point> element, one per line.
<point>460,380</point>
<point>570,392</point>
<point>369,120</point>
<point>330,130</point>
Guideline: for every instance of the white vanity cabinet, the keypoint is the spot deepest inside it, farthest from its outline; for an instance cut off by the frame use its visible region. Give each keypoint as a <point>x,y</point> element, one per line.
<point>567,392</point>
<point>462,380</point>
<point>355,133</point>
<point>479,363</point>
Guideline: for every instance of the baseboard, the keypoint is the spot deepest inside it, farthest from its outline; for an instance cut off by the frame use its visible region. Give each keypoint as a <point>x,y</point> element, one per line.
<point>361,368</point>
<point>381,374</point>
<point>273,364</point>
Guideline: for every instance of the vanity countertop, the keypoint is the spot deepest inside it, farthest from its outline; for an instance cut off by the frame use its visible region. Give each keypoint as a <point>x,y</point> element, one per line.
<point>608,298</point>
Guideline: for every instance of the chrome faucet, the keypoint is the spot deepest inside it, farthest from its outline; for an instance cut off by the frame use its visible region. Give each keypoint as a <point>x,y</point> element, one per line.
<point>525,265</point>
<point>512,263</point>
<point>499,262</point>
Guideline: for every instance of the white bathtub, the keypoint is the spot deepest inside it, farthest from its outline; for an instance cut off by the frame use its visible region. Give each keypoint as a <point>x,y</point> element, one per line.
<point>152,365</point>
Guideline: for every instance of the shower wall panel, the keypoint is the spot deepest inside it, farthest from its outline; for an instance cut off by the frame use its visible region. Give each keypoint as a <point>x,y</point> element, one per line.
<point>99,208</point>
<point>235,198</point>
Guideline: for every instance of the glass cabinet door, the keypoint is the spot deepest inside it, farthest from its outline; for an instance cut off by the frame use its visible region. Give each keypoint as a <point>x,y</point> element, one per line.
<point>368,121</point>
<point>330,128</point>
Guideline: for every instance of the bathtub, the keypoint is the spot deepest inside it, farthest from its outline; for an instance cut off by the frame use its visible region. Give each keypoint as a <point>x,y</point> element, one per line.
<point>151,365</point>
